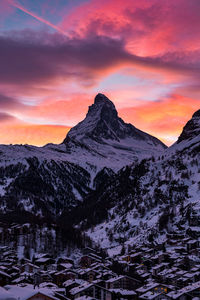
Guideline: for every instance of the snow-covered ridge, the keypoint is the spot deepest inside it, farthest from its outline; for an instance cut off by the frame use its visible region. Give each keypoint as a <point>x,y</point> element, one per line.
<point>144,201</point>
<point>53,178</point>
<point>101,140</point>
<point>107,138</point>
<point>190,136</point>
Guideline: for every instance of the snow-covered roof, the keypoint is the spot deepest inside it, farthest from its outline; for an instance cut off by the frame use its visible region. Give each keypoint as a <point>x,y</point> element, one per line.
<point>123,292</point>
<point>5,274</point>
<point>23,293</point>
<point>77,281</point>
<point>81,288</point>
<point>149,295</point>
<point>147,287</point>
<point>187,289</point>
<point>115,278</point>
<point>42,260</point>
<point>6,295</point>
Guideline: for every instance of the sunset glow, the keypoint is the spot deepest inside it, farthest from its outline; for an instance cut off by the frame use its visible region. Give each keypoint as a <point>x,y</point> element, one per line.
<point>56,55</point>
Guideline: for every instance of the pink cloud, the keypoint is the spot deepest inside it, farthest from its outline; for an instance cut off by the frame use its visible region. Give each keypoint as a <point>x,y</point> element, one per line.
<point>149,27</point>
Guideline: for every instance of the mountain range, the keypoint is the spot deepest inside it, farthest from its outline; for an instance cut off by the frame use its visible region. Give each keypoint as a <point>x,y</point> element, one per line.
<point>112,180</point>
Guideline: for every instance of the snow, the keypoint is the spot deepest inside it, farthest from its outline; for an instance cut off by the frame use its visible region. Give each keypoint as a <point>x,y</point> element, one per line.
<point>5,295</point>
<point>81,288</point>
<point>22,293</point>
<point>150,295</point>
<point>147,287</point>
<point>123,292</point>
<point>187,289</point>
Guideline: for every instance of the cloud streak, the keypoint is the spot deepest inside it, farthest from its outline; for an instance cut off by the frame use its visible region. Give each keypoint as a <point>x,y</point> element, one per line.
<point>40,19</point>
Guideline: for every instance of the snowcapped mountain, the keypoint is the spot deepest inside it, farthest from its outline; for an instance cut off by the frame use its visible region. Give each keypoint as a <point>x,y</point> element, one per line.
<point>144,201</point>
<point>44,181</point>
<point>111,180</point>
<point>191,129</point>
<point>190,136</point>
<point>106,140</point>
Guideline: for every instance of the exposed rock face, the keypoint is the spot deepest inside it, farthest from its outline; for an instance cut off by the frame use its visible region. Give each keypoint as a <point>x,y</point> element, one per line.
<point>191,129</point>
<point>102,123</point>
<point>44,181</point>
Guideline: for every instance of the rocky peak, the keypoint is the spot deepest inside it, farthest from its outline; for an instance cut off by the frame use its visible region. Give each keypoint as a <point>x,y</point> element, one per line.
<point>101,99</point>
<point>103,109</point>
<point>191,129</point>
<point>103,125</point>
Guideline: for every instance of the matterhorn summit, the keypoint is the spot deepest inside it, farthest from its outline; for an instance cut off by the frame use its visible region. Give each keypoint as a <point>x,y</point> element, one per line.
<point>106,136</point>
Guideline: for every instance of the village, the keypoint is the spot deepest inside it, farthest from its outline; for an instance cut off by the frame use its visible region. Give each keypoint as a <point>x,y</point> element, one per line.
<point>166,270</point>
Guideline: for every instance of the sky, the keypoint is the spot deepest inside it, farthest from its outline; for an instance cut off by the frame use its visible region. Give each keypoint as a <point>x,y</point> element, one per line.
<point>56,55</point>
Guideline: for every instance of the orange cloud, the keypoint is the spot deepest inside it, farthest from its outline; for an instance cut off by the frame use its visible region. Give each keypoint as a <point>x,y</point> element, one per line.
<point>164,119</point>
<point>32,134</point>
<point>69,110</point>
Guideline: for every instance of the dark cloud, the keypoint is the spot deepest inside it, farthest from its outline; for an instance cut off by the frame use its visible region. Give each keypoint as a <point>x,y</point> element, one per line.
<point>9,102</point>
<point>24,62</point>
<point>33,59</point>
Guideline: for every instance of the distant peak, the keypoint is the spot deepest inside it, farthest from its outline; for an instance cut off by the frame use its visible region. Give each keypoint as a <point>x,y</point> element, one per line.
<point>191,129</point>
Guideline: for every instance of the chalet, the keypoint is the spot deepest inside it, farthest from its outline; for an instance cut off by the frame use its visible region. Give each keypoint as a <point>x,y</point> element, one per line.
<point>91,290</point>
<point>88,250</point>
<point>122,282</point>
<point>106,275</point>
<point>70,284</point>
<point>4,278</point>
<point>64,266</point>
<point>23,279</point>
<point>192,276</point>
<point>28,293</point>
<point>87,260</point>
<point>88,274</point>
<point>136,257</point>
<point>154,296</point>
<point>123,294</point>
<point>194,219</point>
<point>29,268</point>
<point>13,270</point>
<point>65,260</point>
<point>45,276</point>
<point>192,244</point>
<point>62,276</point>
<point>44,262</point>
<point>41,296</point>
<point>195,232</point>
<point>153,288</point>
<point>158,268</point>
<point>188,292</point>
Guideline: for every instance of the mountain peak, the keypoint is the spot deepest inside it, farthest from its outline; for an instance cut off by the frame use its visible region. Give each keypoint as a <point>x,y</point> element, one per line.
<point>101,121</point>
<point>102,125</point>
<point>191,129</point>
<point>102,108</point>
<point>102,99</point>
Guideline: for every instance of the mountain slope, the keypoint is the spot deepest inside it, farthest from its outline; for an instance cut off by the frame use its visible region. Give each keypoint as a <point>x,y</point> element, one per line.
<point>45,181</point>
<point>108,138</point>
<point>144,201</point>
<point>190,136</point>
